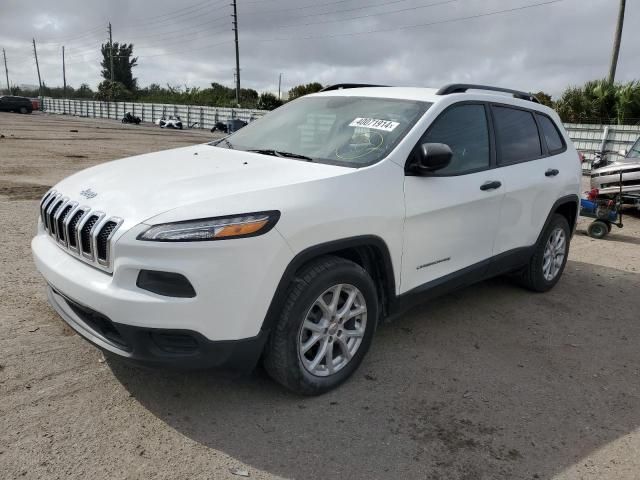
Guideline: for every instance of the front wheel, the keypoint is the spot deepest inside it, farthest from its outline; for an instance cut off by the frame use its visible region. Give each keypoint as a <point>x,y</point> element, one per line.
<point>325,327</point>
<point>550,257</point>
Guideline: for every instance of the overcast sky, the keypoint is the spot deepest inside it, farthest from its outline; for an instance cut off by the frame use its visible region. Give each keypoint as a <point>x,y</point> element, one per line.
<point>399,42</point>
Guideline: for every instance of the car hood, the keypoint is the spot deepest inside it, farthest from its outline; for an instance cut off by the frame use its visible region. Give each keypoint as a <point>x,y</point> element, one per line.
<point>138,188</point>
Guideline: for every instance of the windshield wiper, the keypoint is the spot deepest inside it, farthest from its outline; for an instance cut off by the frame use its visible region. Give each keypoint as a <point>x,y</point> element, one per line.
<point>279,153</point>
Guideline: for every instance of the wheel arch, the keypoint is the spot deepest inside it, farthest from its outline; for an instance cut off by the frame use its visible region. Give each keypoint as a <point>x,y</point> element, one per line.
<point>567,206</point>
<point>368,251</point>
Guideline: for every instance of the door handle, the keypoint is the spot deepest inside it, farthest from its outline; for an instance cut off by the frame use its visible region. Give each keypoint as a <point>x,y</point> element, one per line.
<point>491,185</point>
<point>552,172</point>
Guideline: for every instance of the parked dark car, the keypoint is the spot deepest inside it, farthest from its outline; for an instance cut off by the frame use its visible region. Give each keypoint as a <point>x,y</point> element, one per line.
<point>9,103</point>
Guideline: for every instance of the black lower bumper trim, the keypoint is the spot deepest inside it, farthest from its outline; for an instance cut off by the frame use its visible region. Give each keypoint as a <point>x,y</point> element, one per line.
<point>174,348</point>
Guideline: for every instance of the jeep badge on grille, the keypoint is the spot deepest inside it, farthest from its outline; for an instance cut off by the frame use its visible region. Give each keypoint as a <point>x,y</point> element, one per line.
<point>88,193</point>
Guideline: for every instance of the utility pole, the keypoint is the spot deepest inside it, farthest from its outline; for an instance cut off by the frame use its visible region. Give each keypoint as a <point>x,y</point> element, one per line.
<point>616,42</point>
<point>6,71</point>
<point>64,75</point>
<point>279,85</point>
<point>111,51</point>
<point>35,53</point>
<point>235,31</point>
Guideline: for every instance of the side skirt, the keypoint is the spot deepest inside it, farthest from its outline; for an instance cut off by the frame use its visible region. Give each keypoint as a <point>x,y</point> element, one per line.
<point>500,264</point>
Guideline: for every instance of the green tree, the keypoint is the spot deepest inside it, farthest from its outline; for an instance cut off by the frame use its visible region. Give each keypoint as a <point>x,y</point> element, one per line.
<point>109,91</point>
<point>544,98</point>
<point>268,101</point>
<point>84,91</point>
<point>627,102</point>
<point>301,90</point>
<point>123,63</point>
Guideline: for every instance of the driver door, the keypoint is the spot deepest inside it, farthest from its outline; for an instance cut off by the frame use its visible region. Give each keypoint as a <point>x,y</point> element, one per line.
<point>452,215</point>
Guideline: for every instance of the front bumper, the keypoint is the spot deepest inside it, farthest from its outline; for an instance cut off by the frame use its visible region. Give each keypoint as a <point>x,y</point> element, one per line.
<point>234,282</point>
<point>155,347</point>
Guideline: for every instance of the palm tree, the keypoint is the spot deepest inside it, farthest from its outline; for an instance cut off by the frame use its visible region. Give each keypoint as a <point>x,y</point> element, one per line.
<point>627,98</point>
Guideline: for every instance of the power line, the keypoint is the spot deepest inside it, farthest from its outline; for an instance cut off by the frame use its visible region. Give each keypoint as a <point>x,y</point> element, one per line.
<point>416,25</point>
<point>419,7</point>
<point>301,7</point>
<point>141,25</point>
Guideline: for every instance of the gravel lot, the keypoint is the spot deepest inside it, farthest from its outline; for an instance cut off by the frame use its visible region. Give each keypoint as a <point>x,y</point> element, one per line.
<point>491,382</point>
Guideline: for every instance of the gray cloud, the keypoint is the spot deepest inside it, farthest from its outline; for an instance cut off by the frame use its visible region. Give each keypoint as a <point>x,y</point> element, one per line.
<point>542,48</point>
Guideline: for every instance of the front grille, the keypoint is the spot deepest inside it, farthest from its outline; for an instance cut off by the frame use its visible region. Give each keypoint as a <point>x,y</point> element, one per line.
<point>78,229</point>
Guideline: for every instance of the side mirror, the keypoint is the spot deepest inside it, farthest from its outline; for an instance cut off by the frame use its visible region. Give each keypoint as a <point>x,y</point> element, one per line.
<point>431,157</point>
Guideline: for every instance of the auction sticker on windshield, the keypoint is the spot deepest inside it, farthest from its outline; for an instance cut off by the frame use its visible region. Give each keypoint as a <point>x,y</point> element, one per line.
<point>375,123</point>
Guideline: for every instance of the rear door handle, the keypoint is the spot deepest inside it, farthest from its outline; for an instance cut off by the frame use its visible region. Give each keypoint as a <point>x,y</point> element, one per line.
<point>552,172</point>
<point>491,185</point>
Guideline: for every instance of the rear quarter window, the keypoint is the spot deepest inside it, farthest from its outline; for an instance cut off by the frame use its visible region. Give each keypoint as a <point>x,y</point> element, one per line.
<point>552,136</point>
<point>517,135</point>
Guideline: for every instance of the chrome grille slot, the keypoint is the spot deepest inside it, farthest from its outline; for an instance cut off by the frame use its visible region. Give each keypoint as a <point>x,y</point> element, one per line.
<point>80,231</point>
<point>55,205</point>
<point>102,241</point>
<point>85,235</point>
<point>44,204</point>
<point>46,209</point>
<point>72,233</point>
<point>60,216</point>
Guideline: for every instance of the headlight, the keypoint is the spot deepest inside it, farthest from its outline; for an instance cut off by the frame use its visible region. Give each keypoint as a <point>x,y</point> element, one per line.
<point>218,228</point>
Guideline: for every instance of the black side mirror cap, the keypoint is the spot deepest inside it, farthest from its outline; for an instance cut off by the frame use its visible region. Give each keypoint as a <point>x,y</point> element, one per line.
<point>430,157</point>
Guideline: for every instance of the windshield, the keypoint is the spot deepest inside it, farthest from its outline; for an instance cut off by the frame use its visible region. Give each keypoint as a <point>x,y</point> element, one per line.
<point>634,152</point>
<point>350,131</point>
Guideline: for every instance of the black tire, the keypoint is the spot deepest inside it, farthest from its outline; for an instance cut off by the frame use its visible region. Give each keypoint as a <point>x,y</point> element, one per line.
<point>532,277</point>
<point>24,110</point>
<point>609,227</point>
<point>598,229</point>
<point>282,360</point>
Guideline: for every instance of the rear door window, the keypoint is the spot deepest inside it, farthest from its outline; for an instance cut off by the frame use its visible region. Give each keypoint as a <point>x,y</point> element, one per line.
<point>517,135</point>
<point>551,135</point>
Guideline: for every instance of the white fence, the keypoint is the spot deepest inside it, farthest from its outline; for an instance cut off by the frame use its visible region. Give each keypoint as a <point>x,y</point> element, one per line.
<point>192,116</point>
<point>587,138</point>
<point>590,139</point>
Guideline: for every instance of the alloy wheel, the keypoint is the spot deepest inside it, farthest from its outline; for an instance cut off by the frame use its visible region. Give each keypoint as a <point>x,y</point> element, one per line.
<point>333,330</point>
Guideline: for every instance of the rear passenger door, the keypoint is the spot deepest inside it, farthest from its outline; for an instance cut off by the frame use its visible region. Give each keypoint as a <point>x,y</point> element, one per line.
<point>527,147</point>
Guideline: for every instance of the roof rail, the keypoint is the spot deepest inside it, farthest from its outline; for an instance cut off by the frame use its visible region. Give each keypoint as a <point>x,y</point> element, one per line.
<point>463,87</point>
<point>341,86</point>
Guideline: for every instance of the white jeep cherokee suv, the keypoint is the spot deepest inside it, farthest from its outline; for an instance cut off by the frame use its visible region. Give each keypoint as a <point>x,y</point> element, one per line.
<point>289,240</point>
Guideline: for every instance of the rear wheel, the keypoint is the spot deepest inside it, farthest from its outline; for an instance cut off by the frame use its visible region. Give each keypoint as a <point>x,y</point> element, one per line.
<point>598,229</point>
<point>24,110</point>
<point>550,257</point>
<point>325,327</point>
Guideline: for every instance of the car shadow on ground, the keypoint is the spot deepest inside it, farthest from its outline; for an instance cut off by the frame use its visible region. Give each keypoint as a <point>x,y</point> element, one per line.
<point>489,382</point>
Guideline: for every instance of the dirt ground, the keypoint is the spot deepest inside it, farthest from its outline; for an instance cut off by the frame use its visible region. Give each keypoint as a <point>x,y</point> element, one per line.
<point>491,382</point>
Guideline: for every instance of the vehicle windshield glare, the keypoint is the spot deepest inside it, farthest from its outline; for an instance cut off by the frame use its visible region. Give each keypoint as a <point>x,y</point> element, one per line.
<point>349,131</point>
